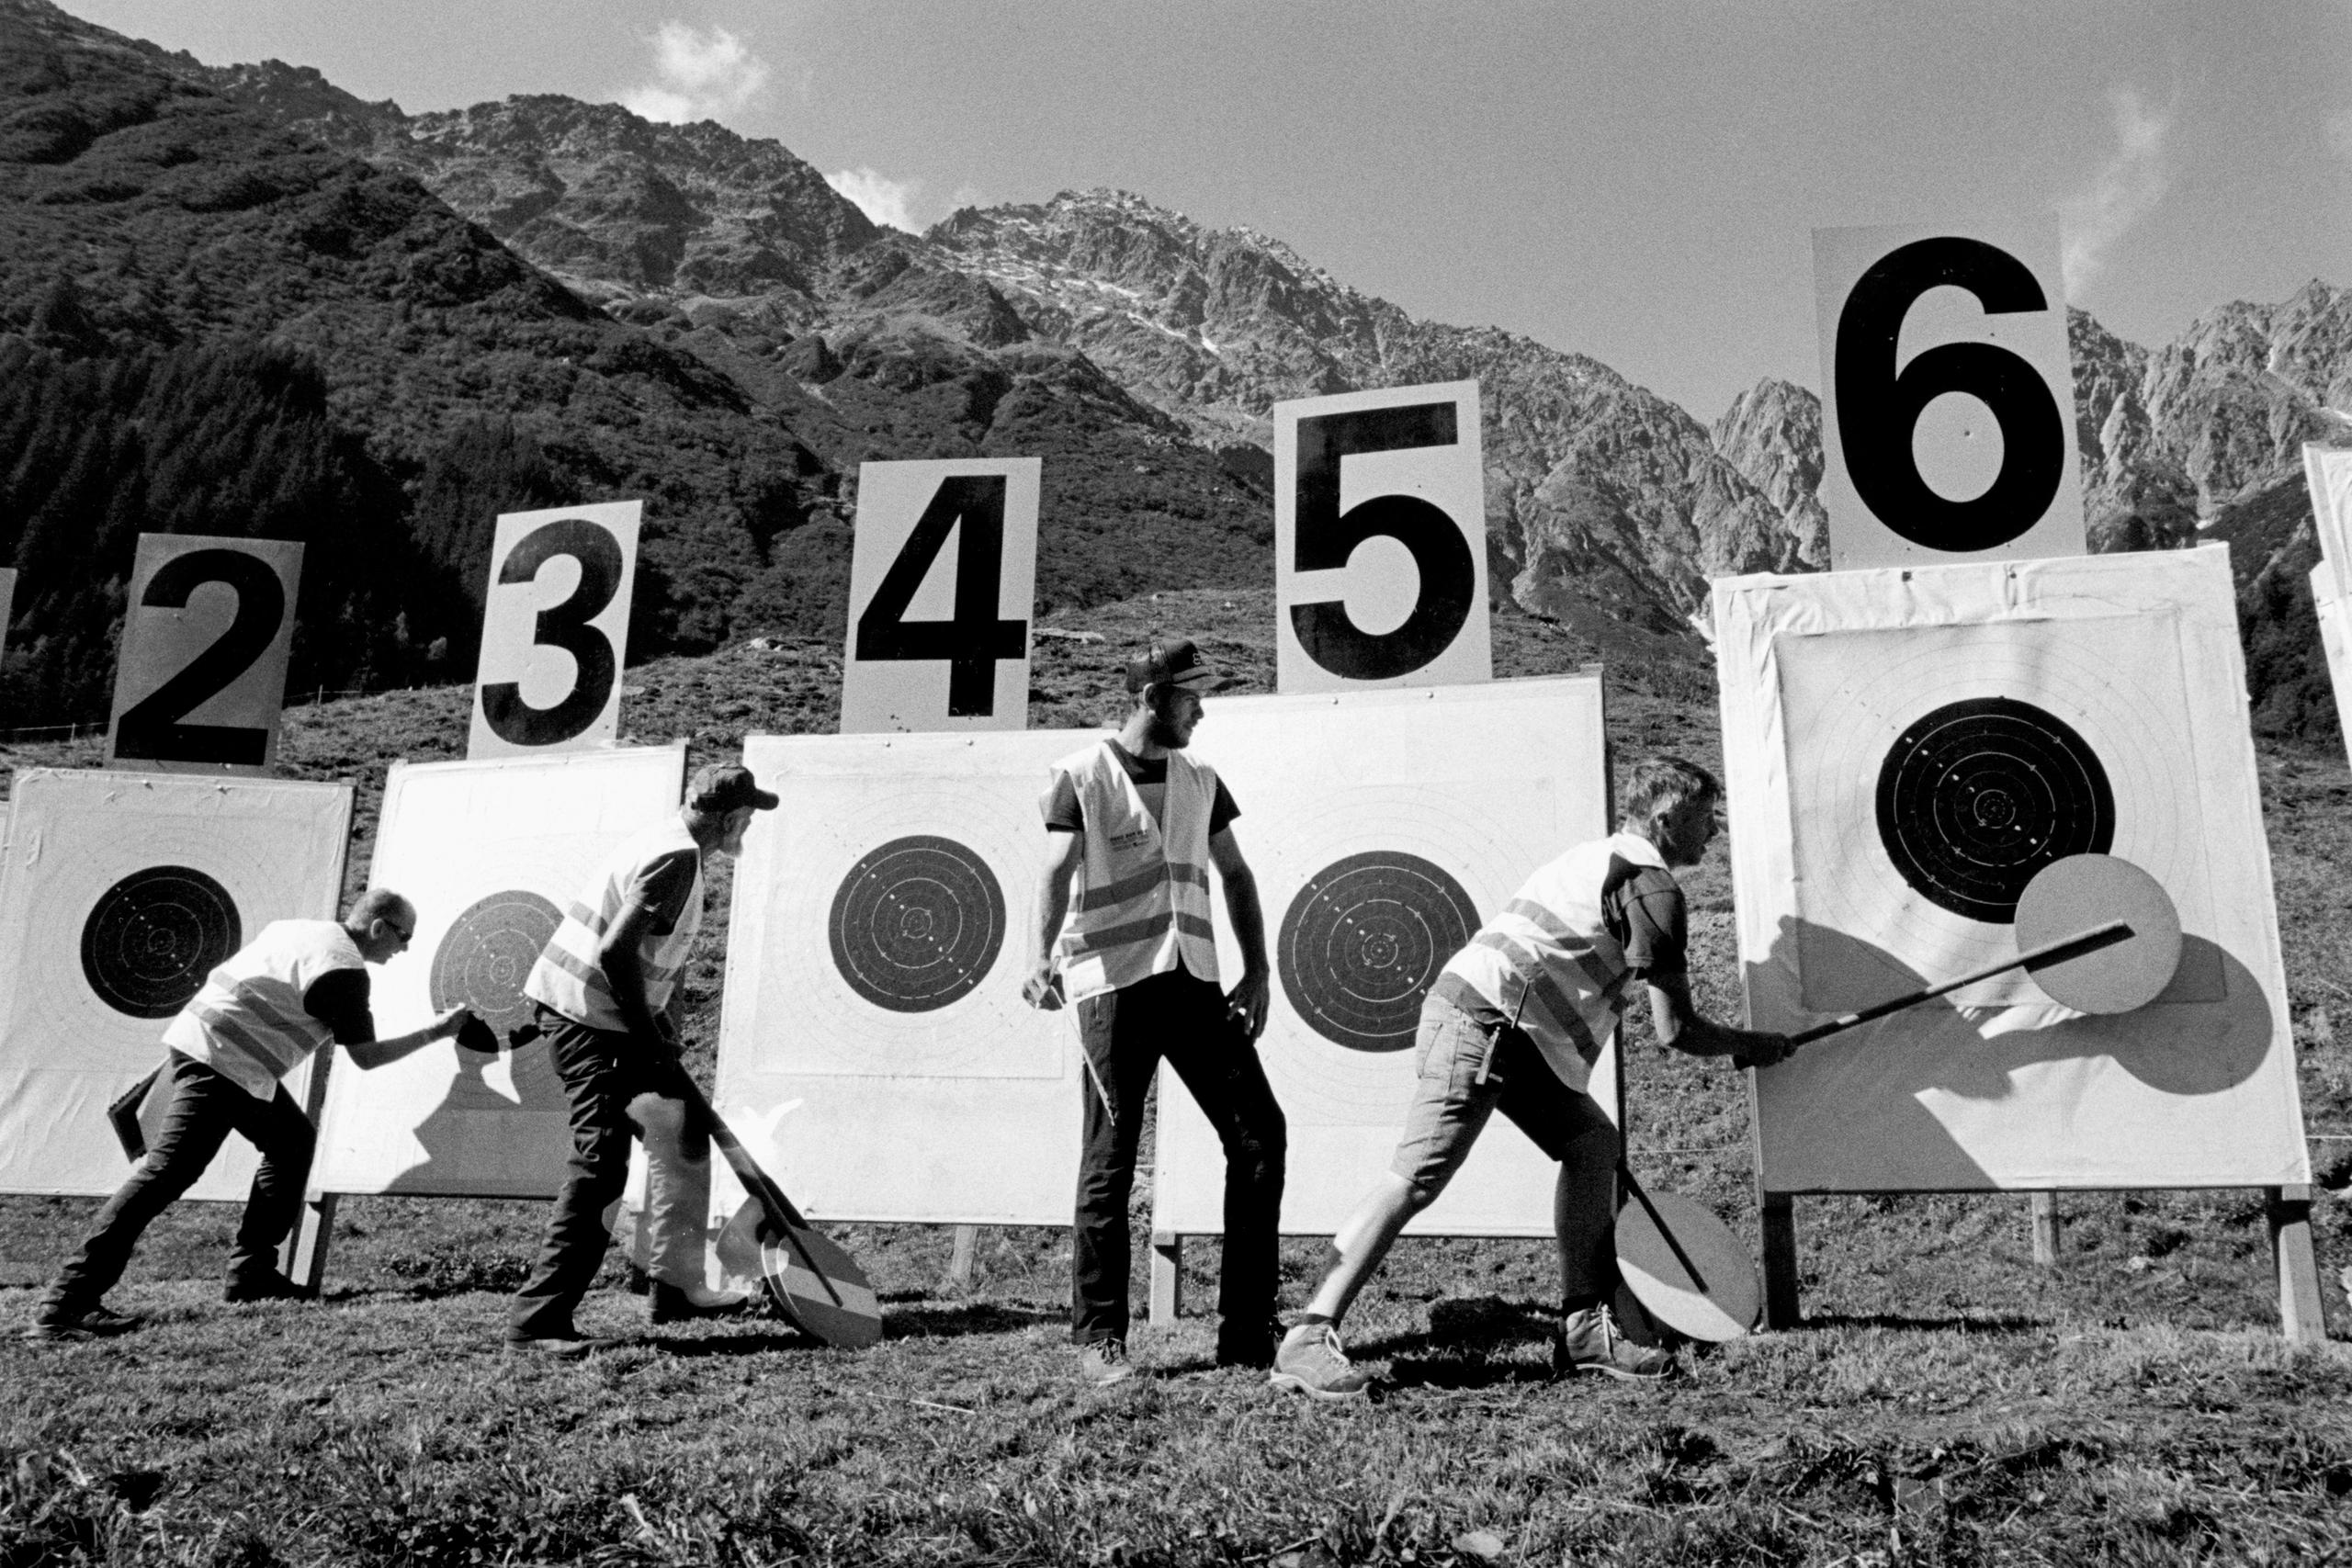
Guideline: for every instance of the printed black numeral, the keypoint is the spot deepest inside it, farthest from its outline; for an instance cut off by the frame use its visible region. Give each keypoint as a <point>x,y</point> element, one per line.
<point>976,640</point>
<point>1877,410</point>
<point>564,625</point>
<point>1326,537</point>
<point>153,730</point>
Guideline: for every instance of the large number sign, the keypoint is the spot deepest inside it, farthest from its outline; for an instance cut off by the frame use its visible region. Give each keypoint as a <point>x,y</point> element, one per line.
<point>1948,414</point>
<point>941,581</point>
<point>554,626</point>
<point>1380,540</point>
<point>206,634</point>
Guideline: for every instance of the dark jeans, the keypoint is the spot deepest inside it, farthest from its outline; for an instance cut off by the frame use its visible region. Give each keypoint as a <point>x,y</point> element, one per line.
<point>206,1108</point>
<point>1125,1033</point>
<point>603,1073</point>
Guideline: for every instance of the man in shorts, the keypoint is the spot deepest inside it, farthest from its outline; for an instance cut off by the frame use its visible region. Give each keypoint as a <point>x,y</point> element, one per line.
<point>1515,1023</point>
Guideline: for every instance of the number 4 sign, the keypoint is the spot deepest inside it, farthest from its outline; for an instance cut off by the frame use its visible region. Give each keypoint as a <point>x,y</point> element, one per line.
<point>1948,423</point>
<point>943,577</point>
<point>1380,540</point>
<point>206,634</point>
<point>554,628</point>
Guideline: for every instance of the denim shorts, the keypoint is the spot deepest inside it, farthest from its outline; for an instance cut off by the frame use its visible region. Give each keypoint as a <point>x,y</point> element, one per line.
<point>1451,1107</point>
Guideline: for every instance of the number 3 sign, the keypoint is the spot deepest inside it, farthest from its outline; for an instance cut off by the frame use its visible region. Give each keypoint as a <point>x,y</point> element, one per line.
<point>554,628</point>
<point>943,576</point>
<point>1380,540</point>
<point>206,633</point>
<point>1948,423</point>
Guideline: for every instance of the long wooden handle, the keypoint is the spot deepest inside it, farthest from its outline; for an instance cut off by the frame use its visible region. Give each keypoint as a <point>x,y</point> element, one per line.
<point>2057,951</point>
<point>782,1215</point>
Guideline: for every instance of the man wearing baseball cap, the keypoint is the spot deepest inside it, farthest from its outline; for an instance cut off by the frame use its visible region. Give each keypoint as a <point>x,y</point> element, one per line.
<point>605,987</point>
<point>1123,933</point>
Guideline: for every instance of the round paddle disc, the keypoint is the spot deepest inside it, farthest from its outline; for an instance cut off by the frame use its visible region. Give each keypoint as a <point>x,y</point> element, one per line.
<point>1686,1267</point>
<point>2083,892</point>
<point>833,1302</point>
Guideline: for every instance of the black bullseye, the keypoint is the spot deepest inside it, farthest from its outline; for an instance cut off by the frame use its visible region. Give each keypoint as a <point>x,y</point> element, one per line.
<point>154,936</point>
<point>1363,940</point>
<point>1978,796</point>
<point>917,923</point>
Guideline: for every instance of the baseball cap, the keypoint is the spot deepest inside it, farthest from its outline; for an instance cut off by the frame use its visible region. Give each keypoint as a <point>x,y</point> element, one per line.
<point>727,786</point>
<point>1173,664</point>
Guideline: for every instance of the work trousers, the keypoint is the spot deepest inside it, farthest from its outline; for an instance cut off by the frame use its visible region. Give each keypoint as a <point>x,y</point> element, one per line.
<point>1125,1034</point>
<point>620,1087</point>
<point>206,1107</point>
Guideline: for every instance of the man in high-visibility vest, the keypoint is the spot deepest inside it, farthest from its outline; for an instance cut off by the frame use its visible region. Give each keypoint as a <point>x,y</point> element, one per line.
<point>1123,934</point>
<point>606,985</point>
<point>259,1015</point>
<point>1514,1024</point>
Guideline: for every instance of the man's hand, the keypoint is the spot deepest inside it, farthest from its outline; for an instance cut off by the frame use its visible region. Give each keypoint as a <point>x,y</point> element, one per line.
<point>1758,1048</point>
<point>1246,1003</point>
<point>1043,989</point>
<point>449,1023</point>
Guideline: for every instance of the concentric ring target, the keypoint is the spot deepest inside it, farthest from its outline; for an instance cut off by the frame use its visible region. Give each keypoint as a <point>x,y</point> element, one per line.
<point>917,923</point>
<point>1362,942</point>
<point>152,937</point>
<point>486,954</point>
<point>1977,796</point>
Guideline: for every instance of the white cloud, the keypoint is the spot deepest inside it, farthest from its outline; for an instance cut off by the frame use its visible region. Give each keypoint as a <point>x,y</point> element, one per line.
<point>2129,186</point>
<point>697,74</point>
<point>888,202</point>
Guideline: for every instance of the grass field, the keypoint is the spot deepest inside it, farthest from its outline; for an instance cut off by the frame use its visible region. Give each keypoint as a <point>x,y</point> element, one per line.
<point>1946,1401</point>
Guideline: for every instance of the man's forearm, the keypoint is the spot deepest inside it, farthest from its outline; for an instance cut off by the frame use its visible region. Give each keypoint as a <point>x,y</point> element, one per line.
<point>1249,919</point>
<point>372,1054</point>
<point>625,975</point>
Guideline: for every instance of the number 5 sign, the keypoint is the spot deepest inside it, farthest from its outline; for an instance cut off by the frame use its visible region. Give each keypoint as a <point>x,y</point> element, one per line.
<point>1948,423</point>
<point>554,628</point>
<point>1380,540</point>
<point>943,576</point>
<point>206,633</point>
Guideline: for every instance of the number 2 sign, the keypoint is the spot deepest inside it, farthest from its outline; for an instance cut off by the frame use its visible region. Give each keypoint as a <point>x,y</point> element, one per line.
<point>1380,540</point>
<point>554,628</point>
<point>943,577</point>
<point>1949,418</point>
<point>207,630</point>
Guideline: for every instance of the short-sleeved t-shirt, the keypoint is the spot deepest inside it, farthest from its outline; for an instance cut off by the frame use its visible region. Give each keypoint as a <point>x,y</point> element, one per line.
<point>339,999</point>
<point>1065,814</point>
<point>1641,905</point>
<point>662,887</point>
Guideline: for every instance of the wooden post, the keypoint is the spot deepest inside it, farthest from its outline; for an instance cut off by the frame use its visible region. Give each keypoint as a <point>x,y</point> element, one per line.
<point>302,1257</point>
<point>2045,1229</point>
<point>2300,1317</point>
<point>1776,1219</point>
<point>960,1266</point>
<point>1167,1277</point>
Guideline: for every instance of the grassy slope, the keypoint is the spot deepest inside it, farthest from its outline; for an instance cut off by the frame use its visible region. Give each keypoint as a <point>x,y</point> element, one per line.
<point>1949,1401</point>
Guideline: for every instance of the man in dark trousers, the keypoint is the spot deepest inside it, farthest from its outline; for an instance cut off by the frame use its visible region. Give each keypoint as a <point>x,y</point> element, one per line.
<point>604,985</point>
<point>1123,934</point>
<point>259,1015</point>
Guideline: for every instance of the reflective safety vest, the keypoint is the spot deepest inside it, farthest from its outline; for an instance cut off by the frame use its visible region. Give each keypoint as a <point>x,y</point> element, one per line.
<point>1140,901</point>
<point>567,976</point>
<point>1547,958</point>
<point>246,1022</point>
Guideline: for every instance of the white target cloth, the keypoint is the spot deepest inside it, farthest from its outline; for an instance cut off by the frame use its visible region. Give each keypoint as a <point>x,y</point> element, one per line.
<point>1904,749</point>
<point>488,851</point>
<point>879,938</point>
<point>119,893</point>
<point>1383,827</point>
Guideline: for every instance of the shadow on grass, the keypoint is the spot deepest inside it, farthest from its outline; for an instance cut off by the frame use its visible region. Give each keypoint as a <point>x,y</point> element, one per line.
<point>1927,1325</point>
<point>972,1317</point>
<point>1459,1372</point>
<point>753,1343</point>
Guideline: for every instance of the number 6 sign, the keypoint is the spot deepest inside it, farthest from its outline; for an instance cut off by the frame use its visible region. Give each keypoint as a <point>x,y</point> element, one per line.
<point>1947,421</point>
<point>1380,540</point>
<point>554,628</point>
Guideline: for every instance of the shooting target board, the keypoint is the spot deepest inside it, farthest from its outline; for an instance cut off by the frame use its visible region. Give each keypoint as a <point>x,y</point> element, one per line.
<point>118,894</point>
<point>489,852</point>
<point>1382,829</point>
<point>2328,471</point>
<point>875,959</point>
<point>1948,426</point>
<point>554,629</point>
<point>1905,750</point>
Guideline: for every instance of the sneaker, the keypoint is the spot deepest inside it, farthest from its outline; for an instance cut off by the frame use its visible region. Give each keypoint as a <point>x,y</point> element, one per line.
<point>666,1303</point>
<point>1104,1362</point>
<point>566,1347</point>
<point>91,1323</point>
<point>1248,1347</point>
<point>1313,1361</point>
<point>270,1287</point>
<point>1591,1341</point>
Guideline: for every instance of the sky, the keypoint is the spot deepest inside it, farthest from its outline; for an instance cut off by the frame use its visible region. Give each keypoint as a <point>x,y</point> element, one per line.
<point>1634,181</point>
